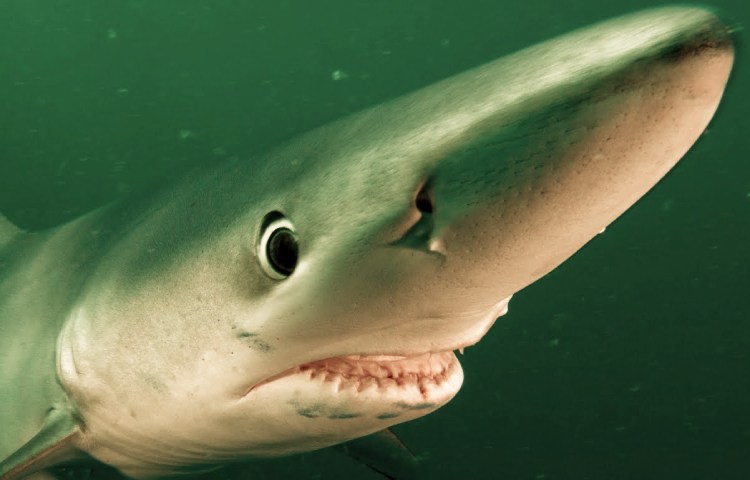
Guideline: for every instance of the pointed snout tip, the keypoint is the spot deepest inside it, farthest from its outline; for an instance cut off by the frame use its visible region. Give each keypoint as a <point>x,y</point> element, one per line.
<point>696,30</point>
<point>711,30</point>
<point>706,44</point>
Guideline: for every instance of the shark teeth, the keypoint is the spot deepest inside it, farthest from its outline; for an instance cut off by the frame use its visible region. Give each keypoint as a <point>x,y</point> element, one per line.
<point>382,371</point>
<point>361,372</point>
<point>382,366</point>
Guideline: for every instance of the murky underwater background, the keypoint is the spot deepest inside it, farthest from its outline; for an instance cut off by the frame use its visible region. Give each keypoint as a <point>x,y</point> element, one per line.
<point>631,361</point>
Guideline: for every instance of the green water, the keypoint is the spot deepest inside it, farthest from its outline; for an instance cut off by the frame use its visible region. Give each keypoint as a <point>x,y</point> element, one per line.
<point>631,361</point>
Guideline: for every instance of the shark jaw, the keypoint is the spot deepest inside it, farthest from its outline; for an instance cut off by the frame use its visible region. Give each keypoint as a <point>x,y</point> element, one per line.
<point>429,378</point>
<point>351,395</point>
<point>356,385</point>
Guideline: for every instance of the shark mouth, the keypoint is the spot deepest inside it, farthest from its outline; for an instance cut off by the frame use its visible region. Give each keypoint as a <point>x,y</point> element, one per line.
<point>358,373</point>
<point>431,377</point>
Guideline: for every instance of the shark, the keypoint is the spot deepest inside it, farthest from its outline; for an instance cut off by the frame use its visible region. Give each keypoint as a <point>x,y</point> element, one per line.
<point>316,293</point>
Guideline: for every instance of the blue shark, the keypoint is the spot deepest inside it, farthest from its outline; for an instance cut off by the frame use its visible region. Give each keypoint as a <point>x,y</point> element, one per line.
<point>315,294</point>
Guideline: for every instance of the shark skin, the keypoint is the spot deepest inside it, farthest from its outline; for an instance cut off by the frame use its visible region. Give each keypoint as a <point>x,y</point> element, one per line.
<point>315,294</point>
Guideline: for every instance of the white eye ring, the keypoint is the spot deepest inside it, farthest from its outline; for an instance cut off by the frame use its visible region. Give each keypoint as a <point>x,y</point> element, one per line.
<point>278,251</point>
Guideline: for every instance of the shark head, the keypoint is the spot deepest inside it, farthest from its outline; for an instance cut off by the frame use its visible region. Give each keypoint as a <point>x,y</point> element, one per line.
<point>316,294</point>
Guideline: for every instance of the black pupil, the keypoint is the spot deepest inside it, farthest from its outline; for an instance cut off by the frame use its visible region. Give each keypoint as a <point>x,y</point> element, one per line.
<point>283,251</point>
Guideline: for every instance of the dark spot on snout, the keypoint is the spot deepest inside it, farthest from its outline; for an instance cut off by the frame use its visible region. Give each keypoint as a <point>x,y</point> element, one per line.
<point>415,406</point>
<point>317,410</point>
<point>385,416</point>
<point>155,383</point>
<point>308,412</point>
<point>343,415</point>
<point>254,341</point>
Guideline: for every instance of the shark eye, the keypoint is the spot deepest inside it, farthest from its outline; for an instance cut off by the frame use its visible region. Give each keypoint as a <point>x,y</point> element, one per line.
<point>278,250</point>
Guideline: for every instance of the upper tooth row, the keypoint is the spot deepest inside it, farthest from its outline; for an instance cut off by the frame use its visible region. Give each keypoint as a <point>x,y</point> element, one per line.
<point>428,365</point>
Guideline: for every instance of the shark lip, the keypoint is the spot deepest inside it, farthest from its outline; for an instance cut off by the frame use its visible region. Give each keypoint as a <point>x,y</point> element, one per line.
<point>359,372</point>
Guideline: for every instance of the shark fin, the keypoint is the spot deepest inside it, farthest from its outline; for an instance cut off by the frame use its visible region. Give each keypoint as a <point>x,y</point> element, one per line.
<point>51,445</point>
<point>8,231</point>
<point>384,453</point>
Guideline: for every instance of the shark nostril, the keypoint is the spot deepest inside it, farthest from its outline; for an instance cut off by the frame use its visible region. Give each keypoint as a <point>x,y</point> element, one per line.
<point>423,200</point>
<point>419,227</point>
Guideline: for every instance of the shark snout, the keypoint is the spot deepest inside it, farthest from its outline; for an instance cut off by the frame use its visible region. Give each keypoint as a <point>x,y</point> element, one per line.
<point>544,149</point>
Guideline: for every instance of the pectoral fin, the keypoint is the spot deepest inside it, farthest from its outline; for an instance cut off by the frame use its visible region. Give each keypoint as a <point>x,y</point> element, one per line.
<point>51,445</point>
<point>385,453</point>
